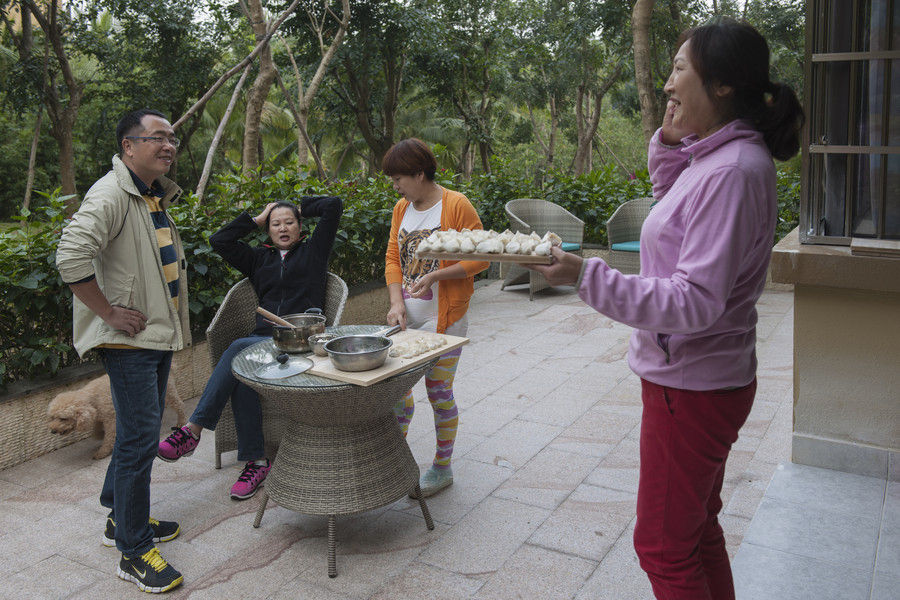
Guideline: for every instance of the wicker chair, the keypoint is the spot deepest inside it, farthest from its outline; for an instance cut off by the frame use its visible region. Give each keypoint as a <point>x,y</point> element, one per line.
<point>236,318</point>
<point>532,214</point>
<point>624,231</point>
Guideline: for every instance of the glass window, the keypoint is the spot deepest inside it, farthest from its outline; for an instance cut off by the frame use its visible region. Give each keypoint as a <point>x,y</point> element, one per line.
<point>852,162</point>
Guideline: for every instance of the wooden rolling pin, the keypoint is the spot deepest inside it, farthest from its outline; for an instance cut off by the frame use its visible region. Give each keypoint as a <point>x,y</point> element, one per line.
<point>274,318</point>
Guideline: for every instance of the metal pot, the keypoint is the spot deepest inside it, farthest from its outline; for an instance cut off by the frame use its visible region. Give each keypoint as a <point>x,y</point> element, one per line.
<point>360,352</point>
<point>296,339</point>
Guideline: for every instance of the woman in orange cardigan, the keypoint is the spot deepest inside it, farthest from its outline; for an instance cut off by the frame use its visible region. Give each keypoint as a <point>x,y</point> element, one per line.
<point>426,294</point>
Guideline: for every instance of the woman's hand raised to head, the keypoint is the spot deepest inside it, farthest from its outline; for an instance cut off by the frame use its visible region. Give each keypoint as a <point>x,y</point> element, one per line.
<point>671,135</point>
<point>564,269</point>
<point>260,219</point>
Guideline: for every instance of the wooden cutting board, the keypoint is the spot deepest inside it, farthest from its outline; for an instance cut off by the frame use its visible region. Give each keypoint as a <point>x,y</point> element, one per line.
<point>323,367</point>
<point>512,258</point>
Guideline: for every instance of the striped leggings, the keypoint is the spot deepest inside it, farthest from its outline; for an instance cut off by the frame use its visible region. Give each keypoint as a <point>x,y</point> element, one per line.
<point>439,385</point>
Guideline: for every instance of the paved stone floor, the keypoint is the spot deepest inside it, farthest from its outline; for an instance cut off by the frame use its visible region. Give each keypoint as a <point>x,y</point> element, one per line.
<point>545,466</point>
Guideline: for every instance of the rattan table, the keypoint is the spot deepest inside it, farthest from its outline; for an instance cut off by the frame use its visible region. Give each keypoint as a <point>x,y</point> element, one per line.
<point>342,451</point>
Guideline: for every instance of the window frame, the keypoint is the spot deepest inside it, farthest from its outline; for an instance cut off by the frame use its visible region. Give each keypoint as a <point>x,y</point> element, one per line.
<point>812,205</point>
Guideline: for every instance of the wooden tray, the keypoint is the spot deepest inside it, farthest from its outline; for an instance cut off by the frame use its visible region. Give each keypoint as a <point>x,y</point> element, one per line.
<point>323,367</point>
<point>511,258</point>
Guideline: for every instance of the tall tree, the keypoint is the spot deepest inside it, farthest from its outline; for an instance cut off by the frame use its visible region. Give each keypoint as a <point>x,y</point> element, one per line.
<point>371,68</point>
<point>463,61</point>
<point>259,91</point>
<point>62,101</point>
<point>640,31</point>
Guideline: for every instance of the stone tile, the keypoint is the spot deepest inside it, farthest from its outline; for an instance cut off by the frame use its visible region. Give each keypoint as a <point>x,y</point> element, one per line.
<point>548,478</point>
<point>425,582</point>
<point>534,572</point>
<point>619,576</point>
<point>515,444</point>
<point>588,523</point>
<point>734,528</point>
<point>749,489</point>
<point>298,588</point>
<point>258,571</point>
<point>827,490</point>
<point>562,406</point>
<point>620,469</point>
<point>762,573</point>
<point>775,446</point>
<point>817,534</point>
<point>891,515</point>
<point>53,577</point>
<point>535,383</point>
<point>473,481</point>
<point>488,416</point>
<point>884,587</point>
<point>887,560</point>
<point>485,538</point>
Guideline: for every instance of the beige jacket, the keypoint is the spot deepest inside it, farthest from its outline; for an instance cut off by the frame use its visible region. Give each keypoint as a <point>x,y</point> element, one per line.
<point>112,237</point>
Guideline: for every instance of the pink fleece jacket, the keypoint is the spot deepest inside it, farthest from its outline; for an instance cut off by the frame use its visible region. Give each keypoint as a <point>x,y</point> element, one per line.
<point>705,249</point>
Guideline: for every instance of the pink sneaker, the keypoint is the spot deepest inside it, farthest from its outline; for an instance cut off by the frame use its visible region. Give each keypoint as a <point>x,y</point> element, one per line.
<point>251,478</point>
<point>180,443</point>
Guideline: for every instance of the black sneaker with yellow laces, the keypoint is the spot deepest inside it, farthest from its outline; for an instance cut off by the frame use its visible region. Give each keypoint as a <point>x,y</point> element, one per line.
<point>163,531</point>
<point>150,572</point>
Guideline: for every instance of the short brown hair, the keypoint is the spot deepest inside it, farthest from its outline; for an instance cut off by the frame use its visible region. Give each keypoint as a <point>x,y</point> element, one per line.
<point>409,157</point>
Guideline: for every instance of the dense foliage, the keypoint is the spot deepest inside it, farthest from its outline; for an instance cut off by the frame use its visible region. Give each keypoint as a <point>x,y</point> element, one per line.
<point>35,306</point>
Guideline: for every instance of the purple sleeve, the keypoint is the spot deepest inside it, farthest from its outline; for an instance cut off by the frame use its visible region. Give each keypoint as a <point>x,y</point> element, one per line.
<point>718,237</point>
<point>665,164</point>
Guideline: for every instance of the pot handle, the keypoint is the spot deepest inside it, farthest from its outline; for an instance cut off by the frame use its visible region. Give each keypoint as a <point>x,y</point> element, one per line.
<point>389,331</point>
<point>273,317</point>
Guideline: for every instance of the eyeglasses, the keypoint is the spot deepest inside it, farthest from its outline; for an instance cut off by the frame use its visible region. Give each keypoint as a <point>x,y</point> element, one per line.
<point>155,139</point>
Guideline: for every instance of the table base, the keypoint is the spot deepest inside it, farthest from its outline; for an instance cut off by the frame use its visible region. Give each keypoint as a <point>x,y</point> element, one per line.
<point>342,470</point>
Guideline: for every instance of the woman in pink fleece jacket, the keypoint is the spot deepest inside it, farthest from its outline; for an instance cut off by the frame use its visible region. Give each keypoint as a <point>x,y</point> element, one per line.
<point>705,250</point>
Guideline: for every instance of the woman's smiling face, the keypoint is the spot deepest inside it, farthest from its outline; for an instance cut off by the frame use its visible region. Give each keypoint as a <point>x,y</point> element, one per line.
<point>691,107</point>
<point>284,228</point>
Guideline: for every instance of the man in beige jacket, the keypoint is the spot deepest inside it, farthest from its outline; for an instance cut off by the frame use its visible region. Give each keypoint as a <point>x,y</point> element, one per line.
<point>122,258</point>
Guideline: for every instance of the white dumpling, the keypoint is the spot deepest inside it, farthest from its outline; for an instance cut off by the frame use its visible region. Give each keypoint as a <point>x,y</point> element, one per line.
<point>506,237</point>
<point>542,249</point>
<point>467,245</point>
<point>490,246</point>
<point>535,237</point>
<point>512,247</point>
<point>423,247</point>
<point>451,245</point>
<point>434,237</point>
<point>527,246</point>
<point>551,237</point>
<point>521,237</point>
<point>398,349</point>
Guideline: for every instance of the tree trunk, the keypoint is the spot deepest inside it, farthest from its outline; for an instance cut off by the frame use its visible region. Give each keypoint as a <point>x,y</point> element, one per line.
<point>62,117</point>
<point>640,28</point>
<point>207,165</point>
<point>32,157</point>
<point>259,91</point>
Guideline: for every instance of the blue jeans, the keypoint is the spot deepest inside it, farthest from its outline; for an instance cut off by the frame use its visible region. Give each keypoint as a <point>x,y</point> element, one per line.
<point>138,383</point>
<point>221,386</point>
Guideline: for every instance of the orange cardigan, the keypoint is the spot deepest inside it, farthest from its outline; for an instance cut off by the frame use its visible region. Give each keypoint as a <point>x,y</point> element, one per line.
<point>453,294</point>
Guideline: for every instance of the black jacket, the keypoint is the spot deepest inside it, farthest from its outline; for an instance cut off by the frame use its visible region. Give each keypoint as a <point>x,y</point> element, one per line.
<point>296,283</point>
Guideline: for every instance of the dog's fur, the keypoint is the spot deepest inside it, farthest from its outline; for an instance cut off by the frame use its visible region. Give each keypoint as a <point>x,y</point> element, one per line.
<point>91,408</point>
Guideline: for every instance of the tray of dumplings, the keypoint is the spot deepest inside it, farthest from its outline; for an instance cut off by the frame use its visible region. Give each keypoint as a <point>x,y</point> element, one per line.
<point>489,245</point>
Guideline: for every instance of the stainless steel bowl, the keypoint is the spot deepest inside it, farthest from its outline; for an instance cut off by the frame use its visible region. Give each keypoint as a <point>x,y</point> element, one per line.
<point>358,352</point>
<point>317,342</point>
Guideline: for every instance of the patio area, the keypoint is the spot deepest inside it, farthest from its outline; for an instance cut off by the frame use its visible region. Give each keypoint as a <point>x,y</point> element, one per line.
<point>543,504</point>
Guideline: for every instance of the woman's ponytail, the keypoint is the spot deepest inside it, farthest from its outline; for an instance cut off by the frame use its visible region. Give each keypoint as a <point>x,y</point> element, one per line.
<point>781,121</point>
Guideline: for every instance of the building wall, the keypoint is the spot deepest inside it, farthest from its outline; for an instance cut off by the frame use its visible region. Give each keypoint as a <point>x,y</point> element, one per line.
<point>846,356</point>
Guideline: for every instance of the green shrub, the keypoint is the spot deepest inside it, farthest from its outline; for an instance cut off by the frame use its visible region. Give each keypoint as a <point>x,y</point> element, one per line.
<point>35,306</point>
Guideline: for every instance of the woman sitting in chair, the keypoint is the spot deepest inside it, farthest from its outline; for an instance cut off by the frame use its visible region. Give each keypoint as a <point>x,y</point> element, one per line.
<point>288,277</point>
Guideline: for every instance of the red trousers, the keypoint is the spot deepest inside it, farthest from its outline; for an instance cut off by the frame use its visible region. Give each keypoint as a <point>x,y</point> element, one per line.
<point>685,440</point>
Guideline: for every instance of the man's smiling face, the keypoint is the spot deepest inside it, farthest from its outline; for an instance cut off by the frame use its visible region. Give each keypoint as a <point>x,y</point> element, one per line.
<point>147,158</point>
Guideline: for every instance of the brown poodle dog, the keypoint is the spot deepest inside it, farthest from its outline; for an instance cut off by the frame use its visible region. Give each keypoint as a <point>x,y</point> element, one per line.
<point>91,408</point>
